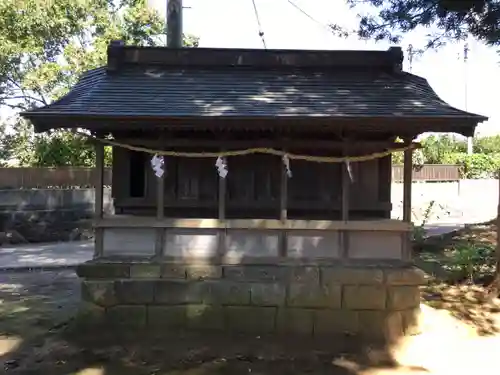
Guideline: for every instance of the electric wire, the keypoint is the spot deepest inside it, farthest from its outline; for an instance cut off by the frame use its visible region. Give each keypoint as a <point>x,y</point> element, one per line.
<point>261,33</point>
<point>326,27</point>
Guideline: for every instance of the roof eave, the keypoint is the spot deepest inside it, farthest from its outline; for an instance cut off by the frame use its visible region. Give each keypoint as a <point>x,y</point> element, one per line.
<point>45,120</point>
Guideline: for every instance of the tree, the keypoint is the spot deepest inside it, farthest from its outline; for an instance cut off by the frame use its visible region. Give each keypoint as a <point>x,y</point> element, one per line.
<point>46,44</point>
<point>452,20</point>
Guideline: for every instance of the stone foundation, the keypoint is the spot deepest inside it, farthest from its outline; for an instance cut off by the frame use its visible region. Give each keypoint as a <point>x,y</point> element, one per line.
<point>373,301</point>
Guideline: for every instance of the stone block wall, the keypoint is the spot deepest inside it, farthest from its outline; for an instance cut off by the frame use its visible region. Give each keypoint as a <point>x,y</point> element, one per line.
<point>46,215</point>
<point>315,300</point>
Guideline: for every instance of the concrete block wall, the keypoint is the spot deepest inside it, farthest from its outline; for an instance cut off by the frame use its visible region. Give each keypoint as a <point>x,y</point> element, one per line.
<point>379,302</point>
<point>46,215</point>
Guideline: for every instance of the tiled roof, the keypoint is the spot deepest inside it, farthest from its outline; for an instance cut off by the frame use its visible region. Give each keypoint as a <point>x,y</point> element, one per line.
<point>242,92</point>
<point>203,83</point>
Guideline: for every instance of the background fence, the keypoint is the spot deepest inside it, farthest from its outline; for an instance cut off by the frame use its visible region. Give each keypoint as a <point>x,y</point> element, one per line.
<point>60,177</point>
<point>429,172</point>
<point>74,177</point>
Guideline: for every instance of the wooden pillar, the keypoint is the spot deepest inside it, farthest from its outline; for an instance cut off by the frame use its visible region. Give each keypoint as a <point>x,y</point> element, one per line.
<point>407,183</point>
<point>222,198</point>
<point>160,194</point>
<point>222,213</point>
<point>99,197</point>
<point>283,210</point>
<point>160,210</point>
<point>346,190</point>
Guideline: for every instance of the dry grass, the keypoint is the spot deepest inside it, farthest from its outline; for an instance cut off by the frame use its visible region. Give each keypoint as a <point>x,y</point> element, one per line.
<point>478,234</point>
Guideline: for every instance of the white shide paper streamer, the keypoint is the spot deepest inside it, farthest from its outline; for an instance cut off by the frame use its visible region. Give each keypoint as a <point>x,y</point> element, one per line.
<point>158,163</point>
<point>221,166</point>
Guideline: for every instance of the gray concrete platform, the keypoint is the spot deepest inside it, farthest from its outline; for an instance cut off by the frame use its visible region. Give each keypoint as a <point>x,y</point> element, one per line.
<point>70,254</point>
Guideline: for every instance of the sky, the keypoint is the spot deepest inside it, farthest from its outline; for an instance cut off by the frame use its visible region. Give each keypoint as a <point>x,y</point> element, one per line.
<point>232,24</point>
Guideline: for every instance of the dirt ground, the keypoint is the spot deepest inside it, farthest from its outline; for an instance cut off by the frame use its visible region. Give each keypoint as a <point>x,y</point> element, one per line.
<point>460,334</point>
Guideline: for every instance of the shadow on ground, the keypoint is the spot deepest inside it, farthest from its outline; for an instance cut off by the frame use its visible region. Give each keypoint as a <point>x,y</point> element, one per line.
<point>37,337</point>
<point>466,299</point>
<point>468,303</point>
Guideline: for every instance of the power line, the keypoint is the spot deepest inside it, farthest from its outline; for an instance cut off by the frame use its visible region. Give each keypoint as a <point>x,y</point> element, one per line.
<point>309,16</point>
<point>261,33</point>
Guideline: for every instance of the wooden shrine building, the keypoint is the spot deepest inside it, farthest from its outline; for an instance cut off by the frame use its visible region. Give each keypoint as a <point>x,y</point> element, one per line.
<point>305,247</point>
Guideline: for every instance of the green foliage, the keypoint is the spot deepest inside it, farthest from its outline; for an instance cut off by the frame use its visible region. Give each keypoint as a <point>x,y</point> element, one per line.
<point>51,149</point>
<point>436,148</point>
<point>454,19</point>
<point>487,145</point>
<point>419,233</point>
<point>44,46</point>
<point>477,165</point>
<point>471,261</point>
<point>447,149</point>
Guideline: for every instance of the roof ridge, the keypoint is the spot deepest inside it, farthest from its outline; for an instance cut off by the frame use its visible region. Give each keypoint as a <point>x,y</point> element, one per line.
<point>120,55</point>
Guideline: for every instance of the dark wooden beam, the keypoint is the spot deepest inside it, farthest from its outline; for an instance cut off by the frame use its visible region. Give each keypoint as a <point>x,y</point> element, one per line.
<point>222,198</point>
<point>222,214</point>
<point>346,190</point>
<point>266,143</point>
<point>407,184</point>
<point>99,197</point>
<point>160,206</point>
<point>283,210</point>
<point>346,183</point>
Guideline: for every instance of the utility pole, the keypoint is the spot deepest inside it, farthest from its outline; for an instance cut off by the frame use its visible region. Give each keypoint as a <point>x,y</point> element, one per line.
<point>174,24</point>
<point>470,144</point>
<point>410,56</point>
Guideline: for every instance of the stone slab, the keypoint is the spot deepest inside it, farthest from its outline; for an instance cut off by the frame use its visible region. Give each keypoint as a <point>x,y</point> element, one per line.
<point>145,271</point>
<point>292,320</point>
<point>205,317</point>
<point>173,292</point>
<point>405,276</point>
<point>92,270</point>
<point>351,276</point>
<point>382,325</point>
<point>169,317</point>
<point>247,244</point>
<point>129,242</point>
<point>256,273</point>
<point>226,292</point>
<point>375,245</point>
<point>403,297</point>
<point>364,297</point>
<point>202,272</point>
<point>186,245</point>
<point>314,296</point>
<point>268,294</point>
<point>335,322</point>
<point>304,246</point>
<point>135,292</point>
<point>100,292</point>
<point>127,316</point>
<point>305,274</point>
<point>251,319</point>
<point>173,271</point>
